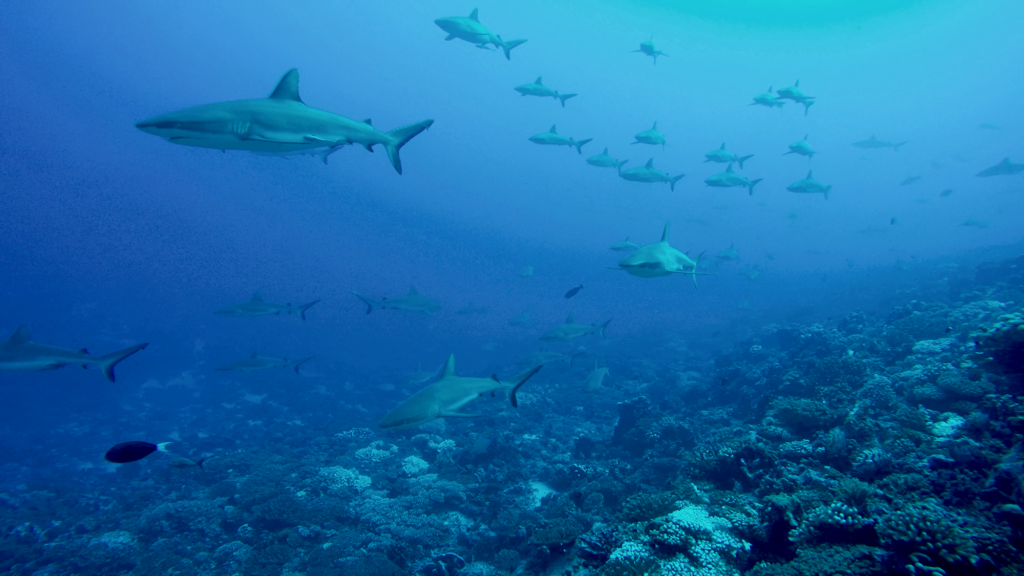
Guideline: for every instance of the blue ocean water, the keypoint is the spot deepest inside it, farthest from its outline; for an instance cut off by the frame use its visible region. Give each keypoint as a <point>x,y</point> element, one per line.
<point>852,375</point>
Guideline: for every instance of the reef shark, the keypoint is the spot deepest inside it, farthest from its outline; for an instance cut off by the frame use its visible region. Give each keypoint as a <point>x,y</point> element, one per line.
<point>767,99</point>
<point>651,136</point>
<point>594,380</point>
<point>603,160</point>
<point>873,143</point>
<point>802,148</point>
<point>444,398</point>
<point>571,330</point>
<point>1004,168</point>
<point>659,259</point>
<point>411,302</point>
<point>647,173</point>
<point>730,179</point>
<point>257,307</point>
<point>20,354</point>
<point>721,156</point>
<point>470,29</point>
<point>809,186</point>
<point>552,138</point>
<point>545,356</point>
<point>647,48</point>
<point>729,253</point>
<point>257,362</point>
<point>793,93</point>
<point>624,246</point>
<point>281,125</point>
<point>539,89</point>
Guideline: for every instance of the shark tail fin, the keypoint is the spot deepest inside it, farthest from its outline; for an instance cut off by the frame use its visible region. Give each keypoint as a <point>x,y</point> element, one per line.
<point>604,327</point>
<point>579,145</point>
<point>754,183</point>
<point>162,447</point>
<point>896,147</point>
<point>199,462</point>
<point>520,380</point>
<point>300,362</point>
<point>399,137</point>
<point>509,45</point>
<point>108,362</point>
<point>619,165</point>
<point>572,359</point>
<point>740,161</point>
<point>672,181</point>
<point>370,302</point>
<point>302,309</point>
<point>807,105</point>
<point>564,97</point>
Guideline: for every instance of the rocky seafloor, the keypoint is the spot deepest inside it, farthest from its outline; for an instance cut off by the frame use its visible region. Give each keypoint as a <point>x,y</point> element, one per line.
<point>889,444</point>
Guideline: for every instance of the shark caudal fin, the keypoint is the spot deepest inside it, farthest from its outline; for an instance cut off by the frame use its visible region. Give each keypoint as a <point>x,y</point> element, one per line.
<point>370,302</point>
<point>740,161</point>
<point>508,46</point>
<point>604,326</point>
<point>296,363</point>
<point>896,147</point>
<point>619,165</point>
<point>520,380</point>
<point>572,359</point>
<point>672,181</point>
<point>302,309</point>
<point>579,145</point>
<point>108,362</point>
<point>564,97</point>
<point>807,105</point>
<point>399,137</point>
<point>752,184</point>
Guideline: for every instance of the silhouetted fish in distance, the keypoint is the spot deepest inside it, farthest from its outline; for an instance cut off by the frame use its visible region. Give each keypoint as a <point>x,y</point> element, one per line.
<point>574,291</point>
<point>126,452</point>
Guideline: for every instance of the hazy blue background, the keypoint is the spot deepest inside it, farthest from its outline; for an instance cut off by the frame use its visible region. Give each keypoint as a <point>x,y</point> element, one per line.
<point>109,236</point>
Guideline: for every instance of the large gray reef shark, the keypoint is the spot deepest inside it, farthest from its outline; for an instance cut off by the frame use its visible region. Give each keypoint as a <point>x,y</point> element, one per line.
<point>729,179</point>
<point>647,173</point>
<point>257,362</point>
<point>539,89</point>
<point>722,156</point>
<point>553,138</point>
<point>411,302</point>
<point>802,148</point>
<point>767,99</point>
<point>603,160</point>
<point>809,186</point>
<point>793,93</point>
<point>470,29</point>
<point>20,354</point>
<point>647,49</point>
<point>257,307</point>
<point>571,330</point>
<point>444,398</point>
<point>652,137</point>
<point>1004,168</point>
<point>281,125</point>
<point>873,143</point>
<point>659,259</point>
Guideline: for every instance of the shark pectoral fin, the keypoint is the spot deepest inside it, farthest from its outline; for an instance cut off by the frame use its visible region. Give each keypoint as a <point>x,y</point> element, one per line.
<point>615,268</point>
<point>458,415</point>
<point>450,37</point>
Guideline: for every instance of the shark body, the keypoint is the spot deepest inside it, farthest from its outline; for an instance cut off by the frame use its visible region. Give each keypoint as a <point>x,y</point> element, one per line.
<point>767,99</point>
<point>603,160</point>
<point>539,89</point>
<point>20,354</point>
<point>730,179</point>
<point>444,398</point>
<point>553,138</point>
<point>809,186</point>
<point>658,260</point>
<point>571,330</point>
<point>470,29</point>
<point>722,157</point>
<point>802,148</point>
<point>1004,168</point>
<point>652,137</point>
<point>257,362</point>
<point>624,246</point>
<point>647,49</point>
<point>874,143</point>
<point>910,180</point>
<point>647,173</point>
<point>257,306</point>
<point>729,253</point>
<point>592,384</point>
<point>411,302</point>
<point>279,125</point>
<point>793,93</point>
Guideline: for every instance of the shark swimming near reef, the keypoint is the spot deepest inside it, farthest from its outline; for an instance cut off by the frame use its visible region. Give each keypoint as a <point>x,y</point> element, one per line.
<point>793,93</point>
<point>539,89</point>
<point>802,148</point>
<point>722,156</point>
<point>546,357</point>
<point>652,137</point>
<point>647,173</point>
<point>444,398</point>
<point>552,138</point>
<point>257,362</point>
<point>874,143</point>
<point>20,354</point>
<point>603,160</point>
<point>657,260</point>
<point>1004,168</point>
<point>624,246</point>
<point>767,99</point>
<point>470,29</point>
<point>730,179</point>
<point>411,302</point>
<point>729,253</point>
<point>809,186</point>
<point>592,384</point>
<point>281,124</point>
<point>570,330</point>
<point>257,306</point>
<point>647,49</point>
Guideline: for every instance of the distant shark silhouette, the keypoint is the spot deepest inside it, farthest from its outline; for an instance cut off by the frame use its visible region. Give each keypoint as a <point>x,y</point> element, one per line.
<point>20,354</point>
<point>624,246</point>
<point>874,143</point>
<point>470,29</point>
<point>647,49</point>
<point>552,138</point>
<point>570,331</point>
<point>603,160</point>
<point>592,384</point>
<point>539,89</point>
<point>257,362</point>
<point>647,173</point>
<point>729,179</point>
<point>659,259</point>
<point>1004,168</point>
<point>802,148</point>
<point>281,124</point>
<point>652,137</point>
<point>793,93</point>
<point>722,157</point>
<point>809,186</point>
<point>767,99</point>
<point>257,307</point>
<point>411,302</point>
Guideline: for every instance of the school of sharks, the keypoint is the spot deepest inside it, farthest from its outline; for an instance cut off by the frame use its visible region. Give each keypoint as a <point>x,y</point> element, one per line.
<point>668,525</point>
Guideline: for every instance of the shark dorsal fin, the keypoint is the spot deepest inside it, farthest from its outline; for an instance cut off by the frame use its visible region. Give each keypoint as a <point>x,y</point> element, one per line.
<point>770,88</point>
<point>538,82</point>
<point>255,354</point>
<point>655,127</point>
<point>288,87</point>
<point>732,246</point>
<point>553,129</point>
<point>797,85</point>
<point>449,366</point>
<point>368,122</point>
<point>605,152</point>
<point>19,337</point>
<point>664,234</point>
<point>473,16</point>
<point>627,239</point>
<point>809,172</point>
<point>729,169</point>
<point>1006,161</point>
<point>805,136</point>
<point>412,290</point>
<point>256,297</point>
<point>650,163</point>
<point>568,319</point>
<point>723,146</point>
<point>495,378</point>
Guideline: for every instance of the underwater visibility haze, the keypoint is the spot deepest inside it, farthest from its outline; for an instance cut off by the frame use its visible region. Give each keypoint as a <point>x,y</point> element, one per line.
<point>734,288</point>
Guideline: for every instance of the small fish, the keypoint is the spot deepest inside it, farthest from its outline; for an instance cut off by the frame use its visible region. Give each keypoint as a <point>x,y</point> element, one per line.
<point>946,192</point>
<point>126,452</point>
<point>183,462</point>
<point>910,180</point>
<point>574,291</point>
